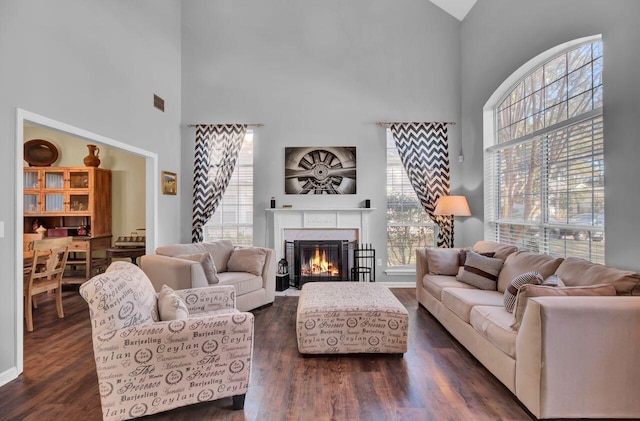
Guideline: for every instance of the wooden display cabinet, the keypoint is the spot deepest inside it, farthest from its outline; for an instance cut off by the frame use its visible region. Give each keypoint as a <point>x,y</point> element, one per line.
<point>76,201</point>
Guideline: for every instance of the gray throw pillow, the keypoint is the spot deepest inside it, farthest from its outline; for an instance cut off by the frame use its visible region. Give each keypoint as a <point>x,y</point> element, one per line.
<point>553,281</point>
<point>511,292</point>
<point>480,271</point>
<point>442,261</point>
<point>170,305</point>
<point>205,259</point>
<point>247,259</point>
<point>463,256</point>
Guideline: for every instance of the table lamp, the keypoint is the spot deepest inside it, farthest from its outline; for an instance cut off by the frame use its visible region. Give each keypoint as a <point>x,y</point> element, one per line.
<point>452,206</point>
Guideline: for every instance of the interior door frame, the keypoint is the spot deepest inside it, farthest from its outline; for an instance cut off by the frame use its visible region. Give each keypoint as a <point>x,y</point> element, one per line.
<point>151,200</point>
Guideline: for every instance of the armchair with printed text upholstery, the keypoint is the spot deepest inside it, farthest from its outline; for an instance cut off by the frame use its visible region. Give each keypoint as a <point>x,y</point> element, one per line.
<point>146,365</point>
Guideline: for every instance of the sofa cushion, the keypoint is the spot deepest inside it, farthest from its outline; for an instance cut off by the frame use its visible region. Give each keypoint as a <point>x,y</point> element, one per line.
<point>462,300</point>
<point>502,251</point>
<point>525,261</point>
<point>579,272</point>
<point>244,282</point>
<point>443,261</point>
<point>170,305</point>
<point>206,261</point>
<point>512,290</point>
<point>480,271</point>
<point>494,323</point>
<point>530,291</point>
<point>220,251</point>
<point>247,259</point>
<point>435,283</point>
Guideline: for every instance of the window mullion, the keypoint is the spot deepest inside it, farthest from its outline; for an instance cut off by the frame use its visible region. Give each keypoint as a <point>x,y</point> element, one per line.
<point>590,115</point>
<point>544,195</point>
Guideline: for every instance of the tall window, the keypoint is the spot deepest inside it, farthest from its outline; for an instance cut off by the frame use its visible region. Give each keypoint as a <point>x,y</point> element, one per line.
<point>545,171</point>
<point>233,219</point>
<point>408,225</point>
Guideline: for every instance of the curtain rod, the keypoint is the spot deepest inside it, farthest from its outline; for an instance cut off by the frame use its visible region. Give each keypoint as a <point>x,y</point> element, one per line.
<point>209,124</point>
<point>387,124</point>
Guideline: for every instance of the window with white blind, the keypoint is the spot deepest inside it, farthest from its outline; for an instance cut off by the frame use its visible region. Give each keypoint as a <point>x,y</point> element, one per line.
<point>408,225</point>
<point>233,219</point>
<point>545,170</point>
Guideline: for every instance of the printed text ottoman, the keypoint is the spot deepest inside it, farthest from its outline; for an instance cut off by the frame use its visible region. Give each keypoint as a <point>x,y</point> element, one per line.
<point>350,317</point>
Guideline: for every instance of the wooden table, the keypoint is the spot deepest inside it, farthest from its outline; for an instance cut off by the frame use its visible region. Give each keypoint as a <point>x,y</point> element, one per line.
<point>126,252</point>
<point>83,261</point>
<point>82,254</point>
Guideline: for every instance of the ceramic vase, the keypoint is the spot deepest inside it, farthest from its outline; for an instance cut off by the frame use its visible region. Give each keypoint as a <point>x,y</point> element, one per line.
<point>93,159</point>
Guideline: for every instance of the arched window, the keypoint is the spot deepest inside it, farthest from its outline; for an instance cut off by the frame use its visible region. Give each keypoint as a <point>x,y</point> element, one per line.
<point>544,171</point>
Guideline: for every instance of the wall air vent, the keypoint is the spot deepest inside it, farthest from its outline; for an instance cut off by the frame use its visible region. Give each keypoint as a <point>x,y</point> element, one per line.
<point>158,102</point>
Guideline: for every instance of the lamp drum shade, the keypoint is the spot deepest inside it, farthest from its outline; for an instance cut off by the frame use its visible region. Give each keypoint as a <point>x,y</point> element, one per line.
<point>452,205</point>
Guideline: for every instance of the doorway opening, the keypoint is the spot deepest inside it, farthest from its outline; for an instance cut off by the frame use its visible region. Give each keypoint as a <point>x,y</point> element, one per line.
<point>28,119</point>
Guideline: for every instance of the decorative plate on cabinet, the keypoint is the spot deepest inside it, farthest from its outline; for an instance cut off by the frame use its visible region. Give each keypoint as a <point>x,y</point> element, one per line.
<point>40,153</point>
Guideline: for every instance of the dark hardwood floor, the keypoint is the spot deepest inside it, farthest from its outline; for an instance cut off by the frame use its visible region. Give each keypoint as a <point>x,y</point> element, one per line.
<point>436,380</point>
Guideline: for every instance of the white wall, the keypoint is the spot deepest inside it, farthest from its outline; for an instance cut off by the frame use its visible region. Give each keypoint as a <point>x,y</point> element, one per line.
<point>499,36</point>
<point>94,65</point>
<point>127,176</point>
<point>318,74</point>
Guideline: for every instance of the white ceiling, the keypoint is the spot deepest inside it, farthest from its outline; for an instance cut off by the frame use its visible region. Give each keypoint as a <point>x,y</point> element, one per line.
<point>456,8</point>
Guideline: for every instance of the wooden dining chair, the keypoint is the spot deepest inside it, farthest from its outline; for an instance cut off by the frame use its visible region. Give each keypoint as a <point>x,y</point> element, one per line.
<point>27,241</point>
<point>49,257</point>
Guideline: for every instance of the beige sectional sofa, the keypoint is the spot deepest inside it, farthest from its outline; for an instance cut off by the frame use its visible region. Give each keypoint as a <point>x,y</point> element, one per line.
<point>251,270</point>
<point>575,356</point>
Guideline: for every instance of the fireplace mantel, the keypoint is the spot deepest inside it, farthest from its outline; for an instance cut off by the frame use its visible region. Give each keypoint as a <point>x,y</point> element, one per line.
<point>280,219</point>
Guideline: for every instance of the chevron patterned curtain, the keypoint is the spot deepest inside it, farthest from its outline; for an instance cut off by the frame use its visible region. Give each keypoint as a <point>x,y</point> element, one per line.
<point>424,152</point>
<point>216,153</point>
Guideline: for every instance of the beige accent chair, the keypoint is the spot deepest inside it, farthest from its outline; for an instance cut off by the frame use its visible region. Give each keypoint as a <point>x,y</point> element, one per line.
<point>48,258</point>
<point>253,290</point>
<point>145,365</point>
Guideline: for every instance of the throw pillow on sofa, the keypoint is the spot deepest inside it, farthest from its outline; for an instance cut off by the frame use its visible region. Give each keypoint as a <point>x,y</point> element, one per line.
<point>463,256</point>
<point>530,291</point>
<point>480,271</point>
<point>170,305</point>
<point>502,251</point>
<point>247,259</point>
<point>553,281</point>
<point>205,259</point>
<point>519,281</point>
<point>442,261</point>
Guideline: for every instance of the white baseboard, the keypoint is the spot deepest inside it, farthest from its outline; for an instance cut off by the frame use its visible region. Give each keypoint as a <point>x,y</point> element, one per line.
<point>8,375</point>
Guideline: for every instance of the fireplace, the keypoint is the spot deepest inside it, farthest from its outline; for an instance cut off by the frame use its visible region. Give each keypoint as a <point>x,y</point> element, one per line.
<point>329,260</point>
<point>324,260</point>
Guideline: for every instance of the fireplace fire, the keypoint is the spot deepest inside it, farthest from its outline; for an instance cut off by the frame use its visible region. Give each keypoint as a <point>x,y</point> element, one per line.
<point>319,265</point>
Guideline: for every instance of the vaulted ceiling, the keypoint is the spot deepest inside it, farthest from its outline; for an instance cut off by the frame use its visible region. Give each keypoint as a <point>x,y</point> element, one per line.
<point>456,8</point>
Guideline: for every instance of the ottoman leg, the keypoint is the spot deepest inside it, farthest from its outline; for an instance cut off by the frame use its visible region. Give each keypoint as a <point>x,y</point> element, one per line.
<point>238,401</point>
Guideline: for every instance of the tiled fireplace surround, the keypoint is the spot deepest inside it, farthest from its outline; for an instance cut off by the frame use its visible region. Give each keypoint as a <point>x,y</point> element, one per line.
<point>288,224</point>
